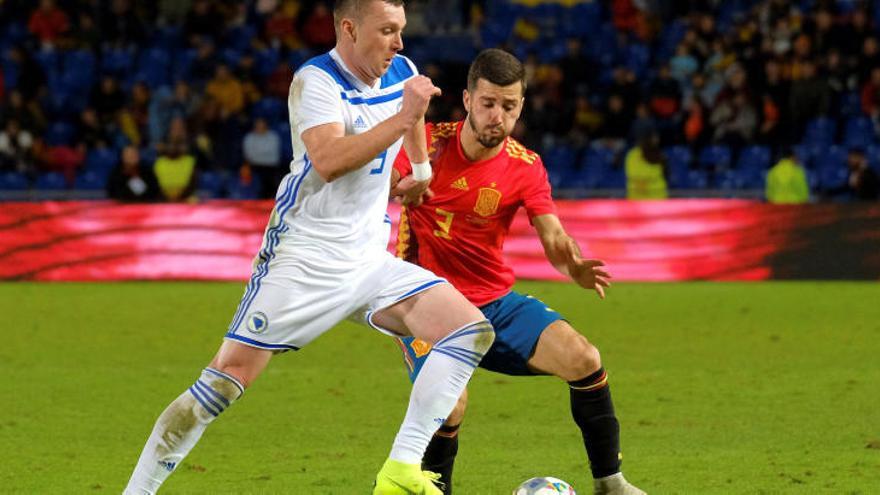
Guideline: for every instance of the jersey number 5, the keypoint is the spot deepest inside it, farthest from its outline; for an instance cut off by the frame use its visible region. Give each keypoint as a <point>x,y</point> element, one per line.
<point>444,224</point>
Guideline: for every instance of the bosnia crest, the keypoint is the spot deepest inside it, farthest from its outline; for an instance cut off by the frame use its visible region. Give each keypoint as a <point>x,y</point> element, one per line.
<point>487,201</point>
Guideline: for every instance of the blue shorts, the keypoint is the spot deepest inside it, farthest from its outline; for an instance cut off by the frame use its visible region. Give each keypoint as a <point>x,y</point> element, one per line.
<point>518,320</point>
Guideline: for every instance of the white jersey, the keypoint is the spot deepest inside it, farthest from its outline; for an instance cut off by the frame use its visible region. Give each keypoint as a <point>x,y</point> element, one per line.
<point>346,218</point>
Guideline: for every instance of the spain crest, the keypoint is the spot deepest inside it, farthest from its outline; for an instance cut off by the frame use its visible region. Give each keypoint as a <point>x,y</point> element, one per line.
<point>487,201</point>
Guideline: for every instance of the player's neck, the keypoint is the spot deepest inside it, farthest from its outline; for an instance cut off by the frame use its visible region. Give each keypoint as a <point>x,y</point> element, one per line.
<point>345,53</point>
<point>471,147</point>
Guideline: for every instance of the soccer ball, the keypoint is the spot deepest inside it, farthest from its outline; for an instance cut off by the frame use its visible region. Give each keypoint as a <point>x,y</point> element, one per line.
<point>544,486</point>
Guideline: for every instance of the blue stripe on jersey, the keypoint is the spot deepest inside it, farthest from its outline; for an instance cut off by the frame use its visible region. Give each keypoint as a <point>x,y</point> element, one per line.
<point>399,71</point>
<point>261,345</point>
<point>288,199</point>
<point>357,100</point>
<point>326,63</point>
<point>420,288</point>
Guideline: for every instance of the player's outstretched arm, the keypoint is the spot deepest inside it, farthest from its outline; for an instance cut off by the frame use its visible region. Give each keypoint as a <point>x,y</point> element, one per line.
<point>334,154</point>
<point>565,255</point>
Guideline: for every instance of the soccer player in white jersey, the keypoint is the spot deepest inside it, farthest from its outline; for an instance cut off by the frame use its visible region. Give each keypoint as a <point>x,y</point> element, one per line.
<point>323,257</point>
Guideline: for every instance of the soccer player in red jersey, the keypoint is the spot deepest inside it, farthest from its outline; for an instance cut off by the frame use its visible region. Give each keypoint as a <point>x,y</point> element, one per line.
<point>457,229</point>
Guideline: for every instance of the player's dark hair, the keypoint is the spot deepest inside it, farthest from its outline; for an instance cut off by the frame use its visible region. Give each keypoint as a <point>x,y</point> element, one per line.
<point>498,67</point>
<point>353,8</point>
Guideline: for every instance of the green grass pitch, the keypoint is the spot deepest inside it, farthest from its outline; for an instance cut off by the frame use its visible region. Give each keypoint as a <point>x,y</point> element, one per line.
<point>720,388</point>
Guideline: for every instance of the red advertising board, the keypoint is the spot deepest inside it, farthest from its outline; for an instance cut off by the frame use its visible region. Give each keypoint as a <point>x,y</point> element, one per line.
<point>649,241</point>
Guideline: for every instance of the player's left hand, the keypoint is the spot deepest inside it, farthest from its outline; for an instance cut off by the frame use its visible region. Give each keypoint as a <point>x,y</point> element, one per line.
<point>589,274</point>
<point>412,192</point>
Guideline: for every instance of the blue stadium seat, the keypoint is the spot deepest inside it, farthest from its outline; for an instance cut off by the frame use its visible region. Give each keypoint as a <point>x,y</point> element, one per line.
<point>51,181</point>
<point>559,157</point>
<point>283,131</point>
<point>715,157</point>
<point>831,168</point>
<point>116,61</point>
<point>754,158</point>
<point>182,63</point>
<point>101,161</point>
<point>211,184</point>
<point>13,181</point>
<point>60,133</point>
<point>271,109</point>
<point>239,37</point>
<point>613,178</point>
<point>850,104</point>
<point>820,131</point>
<point>873,154</point>
<point>679,155</point>
<point>859,132</point>
<point>236,189</point>
<point>265,61</point>
<point>90,181</point>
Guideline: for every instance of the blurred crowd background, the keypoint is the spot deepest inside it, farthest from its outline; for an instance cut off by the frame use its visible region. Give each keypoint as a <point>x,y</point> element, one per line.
<point>177,100</point>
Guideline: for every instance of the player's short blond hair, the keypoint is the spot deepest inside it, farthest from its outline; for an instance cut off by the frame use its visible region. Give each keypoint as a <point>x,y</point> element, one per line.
<point>353,9</point>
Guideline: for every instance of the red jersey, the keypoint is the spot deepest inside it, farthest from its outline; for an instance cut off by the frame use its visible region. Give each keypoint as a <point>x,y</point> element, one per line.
<point>459,233</point>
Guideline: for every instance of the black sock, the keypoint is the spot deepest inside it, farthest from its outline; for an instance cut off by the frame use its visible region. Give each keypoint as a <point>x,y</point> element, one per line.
<point>593,412</point>
<point>440,455</point>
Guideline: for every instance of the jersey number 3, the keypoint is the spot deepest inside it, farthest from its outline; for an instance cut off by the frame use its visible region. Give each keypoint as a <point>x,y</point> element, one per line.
<point>444,224</point>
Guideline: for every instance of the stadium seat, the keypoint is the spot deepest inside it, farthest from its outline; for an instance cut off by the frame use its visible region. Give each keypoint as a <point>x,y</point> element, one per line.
<point>51,181</point>
<point>101,160</point>
<point>820,131</point>
<point>559,157</point>
<point>60,133</point>
<point>873,154</point>
<point>271,109</point>
<point>116,61</point>
<point>90,181</point>
<point>211,184</point>
<point>859,132</point>
<point>715,157</point>
<point>13,181</point>
<point>754,158</point>
<point>850,104</point>
<point>236,189</point>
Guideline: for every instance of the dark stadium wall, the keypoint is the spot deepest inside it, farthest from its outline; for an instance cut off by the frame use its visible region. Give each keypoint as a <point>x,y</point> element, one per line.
<point>640,241</point>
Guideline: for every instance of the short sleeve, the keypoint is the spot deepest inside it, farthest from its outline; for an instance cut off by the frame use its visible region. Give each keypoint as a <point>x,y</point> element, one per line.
<point>536,194</point>
<point>314,100</point>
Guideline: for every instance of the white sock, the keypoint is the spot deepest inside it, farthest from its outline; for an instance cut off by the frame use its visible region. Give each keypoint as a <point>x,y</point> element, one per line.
<point>179,427</point>
<point>439,385</point>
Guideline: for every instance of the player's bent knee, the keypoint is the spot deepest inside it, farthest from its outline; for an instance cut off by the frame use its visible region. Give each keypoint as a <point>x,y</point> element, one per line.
<point>457,415</point>
<point>584,361</point>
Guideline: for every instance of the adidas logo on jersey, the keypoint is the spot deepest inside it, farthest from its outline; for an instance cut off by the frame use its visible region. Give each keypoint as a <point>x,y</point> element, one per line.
<point>460,184</point>
<point>359,123</point>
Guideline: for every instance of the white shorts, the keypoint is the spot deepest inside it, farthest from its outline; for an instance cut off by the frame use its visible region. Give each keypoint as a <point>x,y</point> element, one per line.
<point>292,300</point>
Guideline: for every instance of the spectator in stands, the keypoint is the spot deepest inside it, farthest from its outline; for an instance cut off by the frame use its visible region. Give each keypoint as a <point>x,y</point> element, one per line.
<point>586,121</point>
<point>869,59</point>
<point>318,30</point>
<point>871,96</point>
<point>262,152</point>
<point>280,28</point>
<point>123,26</point>
<point>175,168</point>
<point>863,182</point>
<point>278,82</point>
<point>646,170</point>
<point>615,124</point>
<point>577,74</point>
<point>86,35</point>
<point>205,64</point>
<point>734,120</point>
<point>107,99</point>
<point>15,148</point>
<point>227,91</point>
<point>130,181</point>
<point>134,117</point>
<point>90,130</point>
<point>64,158</point>
<point>810,97</point>
<point>665,102</point>
<point>624,84</point>
<point>643,125</point>
<point>787,181</point>
<point>31,76</point>
<point>202,21</point>
<point>683,65</point>
<point>48,23</point>
<point>29,114</point>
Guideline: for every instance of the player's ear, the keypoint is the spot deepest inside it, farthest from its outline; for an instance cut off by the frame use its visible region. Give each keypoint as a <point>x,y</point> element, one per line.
<point>466,99</point>
<point>348,29</point>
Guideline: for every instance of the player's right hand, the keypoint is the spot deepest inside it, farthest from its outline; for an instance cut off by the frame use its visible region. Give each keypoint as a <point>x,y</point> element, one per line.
<point>417,94</point>
<point>412,192</point>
